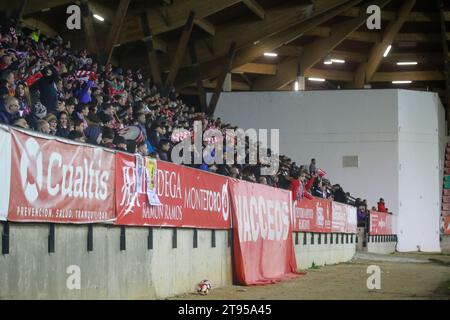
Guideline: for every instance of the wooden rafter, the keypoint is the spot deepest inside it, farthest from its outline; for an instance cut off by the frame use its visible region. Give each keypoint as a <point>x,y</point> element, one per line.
<point>88,27</point>
<point>151,53</point>
<point>36,6</point>
<point>118,22</point>
<point>257,68</point>
<point>206,26</point>
<point>414,16</point>
<point>176,15</point>
<point>199,83</point>
<point>226,65</point>
<point>285,33</point>
<point>313,52</point>
<point>365,74</point>
<point>182,45</point>
<point>255,8</point>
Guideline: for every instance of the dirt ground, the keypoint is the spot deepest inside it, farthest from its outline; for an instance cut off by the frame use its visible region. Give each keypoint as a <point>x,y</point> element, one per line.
<point>403,276</point>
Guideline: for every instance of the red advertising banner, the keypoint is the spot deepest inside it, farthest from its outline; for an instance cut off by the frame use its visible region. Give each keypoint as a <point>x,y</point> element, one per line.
<point>380,223</point>
<point>59,182</point>
<point>447,225</point>
<point>312,215</point>
<point>338,217</point>
<point>188,197</point>
<point>263,248</point>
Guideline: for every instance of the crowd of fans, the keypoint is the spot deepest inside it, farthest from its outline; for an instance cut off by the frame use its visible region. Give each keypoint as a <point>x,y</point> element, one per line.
<point>47,87</point>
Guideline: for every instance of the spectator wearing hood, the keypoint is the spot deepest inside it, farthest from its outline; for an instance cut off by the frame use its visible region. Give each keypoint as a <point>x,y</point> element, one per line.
<point>38,112</point>
<point>47,89</point>
<point>339,194</point>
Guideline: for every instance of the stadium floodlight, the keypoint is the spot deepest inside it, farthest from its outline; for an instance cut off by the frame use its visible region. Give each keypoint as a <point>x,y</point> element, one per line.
<point>296,86</point>
<point>270,54</point>
<point>407,63</point>
<point>316,79</point>
<point>98,17</point>
<point>337,60</point>
<point>401,81</point>
<point>327,62</point>
<point>386,52</point>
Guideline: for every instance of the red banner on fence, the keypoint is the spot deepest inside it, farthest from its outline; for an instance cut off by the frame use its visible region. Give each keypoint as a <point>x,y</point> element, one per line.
<point>312,215</point>
<point>59,182</point>
<point>263,248</point>
<point>338,217</point>
<point>380,223</point>
<point>189,197</point>
<point>447,225</point>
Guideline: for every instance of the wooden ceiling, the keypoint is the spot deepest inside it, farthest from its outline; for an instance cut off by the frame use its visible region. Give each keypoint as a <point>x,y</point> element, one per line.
<point>302,32</point>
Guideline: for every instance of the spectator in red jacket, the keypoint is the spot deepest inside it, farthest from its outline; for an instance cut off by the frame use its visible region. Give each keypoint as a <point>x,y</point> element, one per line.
<point>381,206</point>
<point>299,186</point>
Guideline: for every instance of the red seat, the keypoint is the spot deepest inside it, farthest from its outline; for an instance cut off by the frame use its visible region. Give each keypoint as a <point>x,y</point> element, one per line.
<point>446,199</point>
<point>445,213</point>
<point>446,206</point>
<point>446,192</point>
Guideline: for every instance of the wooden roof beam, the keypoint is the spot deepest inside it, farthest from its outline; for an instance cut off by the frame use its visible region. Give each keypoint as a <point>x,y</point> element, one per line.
<point>257,68</point>
<point>206,26</point>
<point>37,6</point>
<point>286,27</point>
<point>119,19</point>
<point>376,53</point>
<point>313,52</point>
<point>255,8</point>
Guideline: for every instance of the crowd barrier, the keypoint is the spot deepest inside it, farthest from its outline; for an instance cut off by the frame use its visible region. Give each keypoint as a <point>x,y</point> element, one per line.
<point>381,238</point>
<point>57,181</point>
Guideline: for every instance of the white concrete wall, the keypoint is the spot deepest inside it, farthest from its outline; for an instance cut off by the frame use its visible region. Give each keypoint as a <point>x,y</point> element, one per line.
<point>328,125</point>
<point>376,244</point>
<point>30,272</point>
<point>419,174</point>
<point>324,253</point>
<point>384,128</point>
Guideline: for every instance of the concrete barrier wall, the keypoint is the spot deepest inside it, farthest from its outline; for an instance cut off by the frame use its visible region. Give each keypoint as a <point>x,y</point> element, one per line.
<point>381,244</point>
<point>30,272</point>
<point>323,249</point>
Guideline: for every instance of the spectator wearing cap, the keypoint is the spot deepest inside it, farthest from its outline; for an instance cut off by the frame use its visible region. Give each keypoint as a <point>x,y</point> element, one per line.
<point>9,110</point>
<point>93,135</point>
<point>38,112</point>
<point>63,128</point>
<point>52,122</point>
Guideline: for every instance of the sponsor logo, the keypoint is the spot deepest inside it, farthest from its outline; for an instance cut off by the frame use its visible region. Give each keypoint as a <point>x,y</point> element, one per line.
<point>57,176</point>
